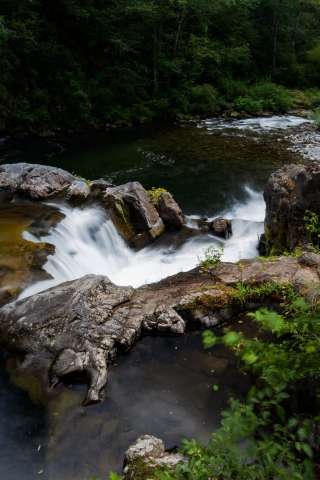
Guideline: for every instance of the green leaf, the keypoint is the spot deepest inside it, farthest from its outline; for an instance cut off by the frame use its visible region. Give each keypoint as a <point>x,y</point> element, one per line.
<point>307,450</point>
<point>281,413</point>
<point>215,388</point>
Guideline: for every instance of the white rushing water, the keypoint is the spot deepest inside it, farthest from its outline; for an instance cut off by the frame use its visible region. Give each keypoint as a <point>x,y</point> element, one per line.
<point>259,124</point>
<point>86,241</point>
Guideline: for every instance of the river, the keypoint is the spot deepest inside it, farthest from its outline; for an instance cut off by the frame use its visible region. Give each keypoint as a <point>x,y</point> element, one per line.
<point>164,385</point>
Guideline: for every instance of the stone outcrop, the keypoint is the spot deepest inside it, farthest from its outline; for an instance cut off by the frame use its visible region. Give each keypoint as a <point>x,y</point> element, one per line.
<point>80,325</point>
<point>289,192</point>
<point>222,227</point>
<point>169,211</point>
<point>42,182</point>
<point>146,456</point>
<point>135,217</point>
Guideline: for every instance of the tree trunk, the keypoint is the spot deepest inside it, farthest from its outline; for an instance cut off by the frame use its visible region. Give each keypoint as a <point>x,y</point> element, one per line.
<point>293,42</point>
<point>275,32</point>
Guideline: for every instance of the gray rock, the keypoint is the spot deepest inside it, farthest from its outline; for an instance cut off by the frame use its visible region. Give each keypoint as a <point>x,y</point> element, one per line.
<point>97,187</point>
<point>170,212</point>
<point>41,182</point>
<point>222,227</point>
<point>135,217</point>
<point>289,192</point>
<point>146,456</point>
<point>80,325</point>
<point>78,192</point>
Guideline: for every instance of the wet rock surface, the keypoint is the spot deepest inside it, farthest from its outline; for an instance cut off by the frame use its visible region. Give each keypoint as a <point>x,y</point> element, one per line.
<point>222,227</point>
<point>169,211</point>
<point>21,261</point>
<point>146,456</point>
<point>79,326</point>
<point>288,194</point>
<point>135,217</point>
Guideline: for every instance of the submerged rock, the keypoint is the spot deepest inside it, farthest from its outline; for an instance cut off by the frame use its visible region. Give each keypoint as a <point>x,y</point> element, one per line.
<point>289,192</point>
<point>146,456</point>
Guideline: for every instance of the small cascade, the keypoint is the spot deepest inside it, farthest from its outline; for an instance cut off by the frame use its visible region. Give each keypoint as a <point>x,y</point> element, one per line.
<point>86,242</point>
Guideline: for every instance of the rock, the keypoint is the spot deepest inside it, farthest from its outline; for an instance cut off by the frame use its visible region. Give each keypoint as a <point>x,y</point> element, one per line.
<point>309,259</point>
<point>41,182</point>
<point>203,224</point>
<point>222,227</point>
<point>97,187</point>
<point>170,212</point>
<point>146,456</point>
<point>135,217</point>
<point>78,192</point>
<point>79,326</point>
<point>64,324</point>
<point>289,192</point>
<point>262,247</point>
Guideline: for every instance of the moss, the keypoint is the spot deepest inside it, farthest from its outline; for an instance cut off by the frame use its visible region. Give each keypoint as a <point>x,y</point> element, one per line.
<point>221,299</point>
<point>142,469</point>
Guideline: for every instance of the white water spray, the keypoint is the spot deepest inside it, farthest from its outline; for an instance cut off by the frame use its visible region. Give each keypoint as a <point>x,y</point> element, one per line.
<point>86,241</point>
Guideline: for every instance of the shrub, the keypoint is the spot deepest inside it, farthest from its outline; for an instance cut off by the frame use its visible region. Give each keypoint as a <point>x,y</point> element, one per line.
<point>232,89</point>
<point>315,116</point>
<point>273,97</point>
<point>212,256</point>
<point>261,438</point>
<point>205,97</point>
<point>247,104</point>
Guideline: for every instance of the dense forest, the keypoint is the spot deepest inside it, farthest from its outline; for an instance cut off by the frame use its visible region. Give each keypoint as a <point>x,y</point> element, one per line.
<point>85,62</point>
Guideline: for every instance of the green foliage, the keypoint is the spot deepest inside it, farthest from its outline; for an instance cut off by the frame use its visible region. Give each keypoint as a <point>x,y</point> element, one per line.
<point>212,257</point>
<point>255,291</point>
<point>265,96</point>
<point>311,227</point>
<point>247,104</point>
<point>114,476</point>
<point>129,60</point>
<point>274,98</point>
<point>155,194</point>
<point>261,438</point>
<point>205,98</point>
<point>315,116</point>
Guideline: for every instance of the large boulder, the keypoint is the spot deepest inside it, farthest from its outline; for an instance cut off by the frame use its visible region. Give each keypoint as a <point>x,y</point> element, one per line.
<point>289,192</point>
<point>79,326</point>
<point>169,210</point>
<point>146,456</point>
<point>42,182</point>
<point>135,217</point>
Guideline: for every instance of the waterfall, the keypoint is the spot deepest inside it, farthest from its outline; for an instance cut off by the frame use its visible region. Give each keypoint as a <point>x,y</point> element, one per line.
<point>86,241</point>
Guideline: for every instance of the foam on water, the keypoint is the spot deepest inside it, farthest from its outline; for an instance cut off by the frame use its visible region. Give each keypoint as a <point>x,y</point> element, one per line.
<point>86,241</point>
<point>275,122</point>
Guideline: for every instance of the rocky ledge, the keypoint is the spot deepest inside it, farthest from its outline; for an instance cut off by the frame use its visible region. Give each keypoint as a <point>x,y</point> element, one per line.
<point>79,326</point>
<point>289,192</point>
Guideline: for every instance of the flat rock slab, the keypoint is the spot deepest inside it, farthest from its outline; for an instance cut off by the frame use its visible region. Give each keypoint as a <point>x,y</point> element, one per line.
<point>79,326</point>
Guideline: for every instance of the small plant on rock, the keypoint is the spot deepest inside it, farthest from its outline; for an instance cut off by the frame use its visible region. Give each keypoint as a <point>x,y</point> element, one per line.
<point>155,194</point>
<point>212,257</point>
